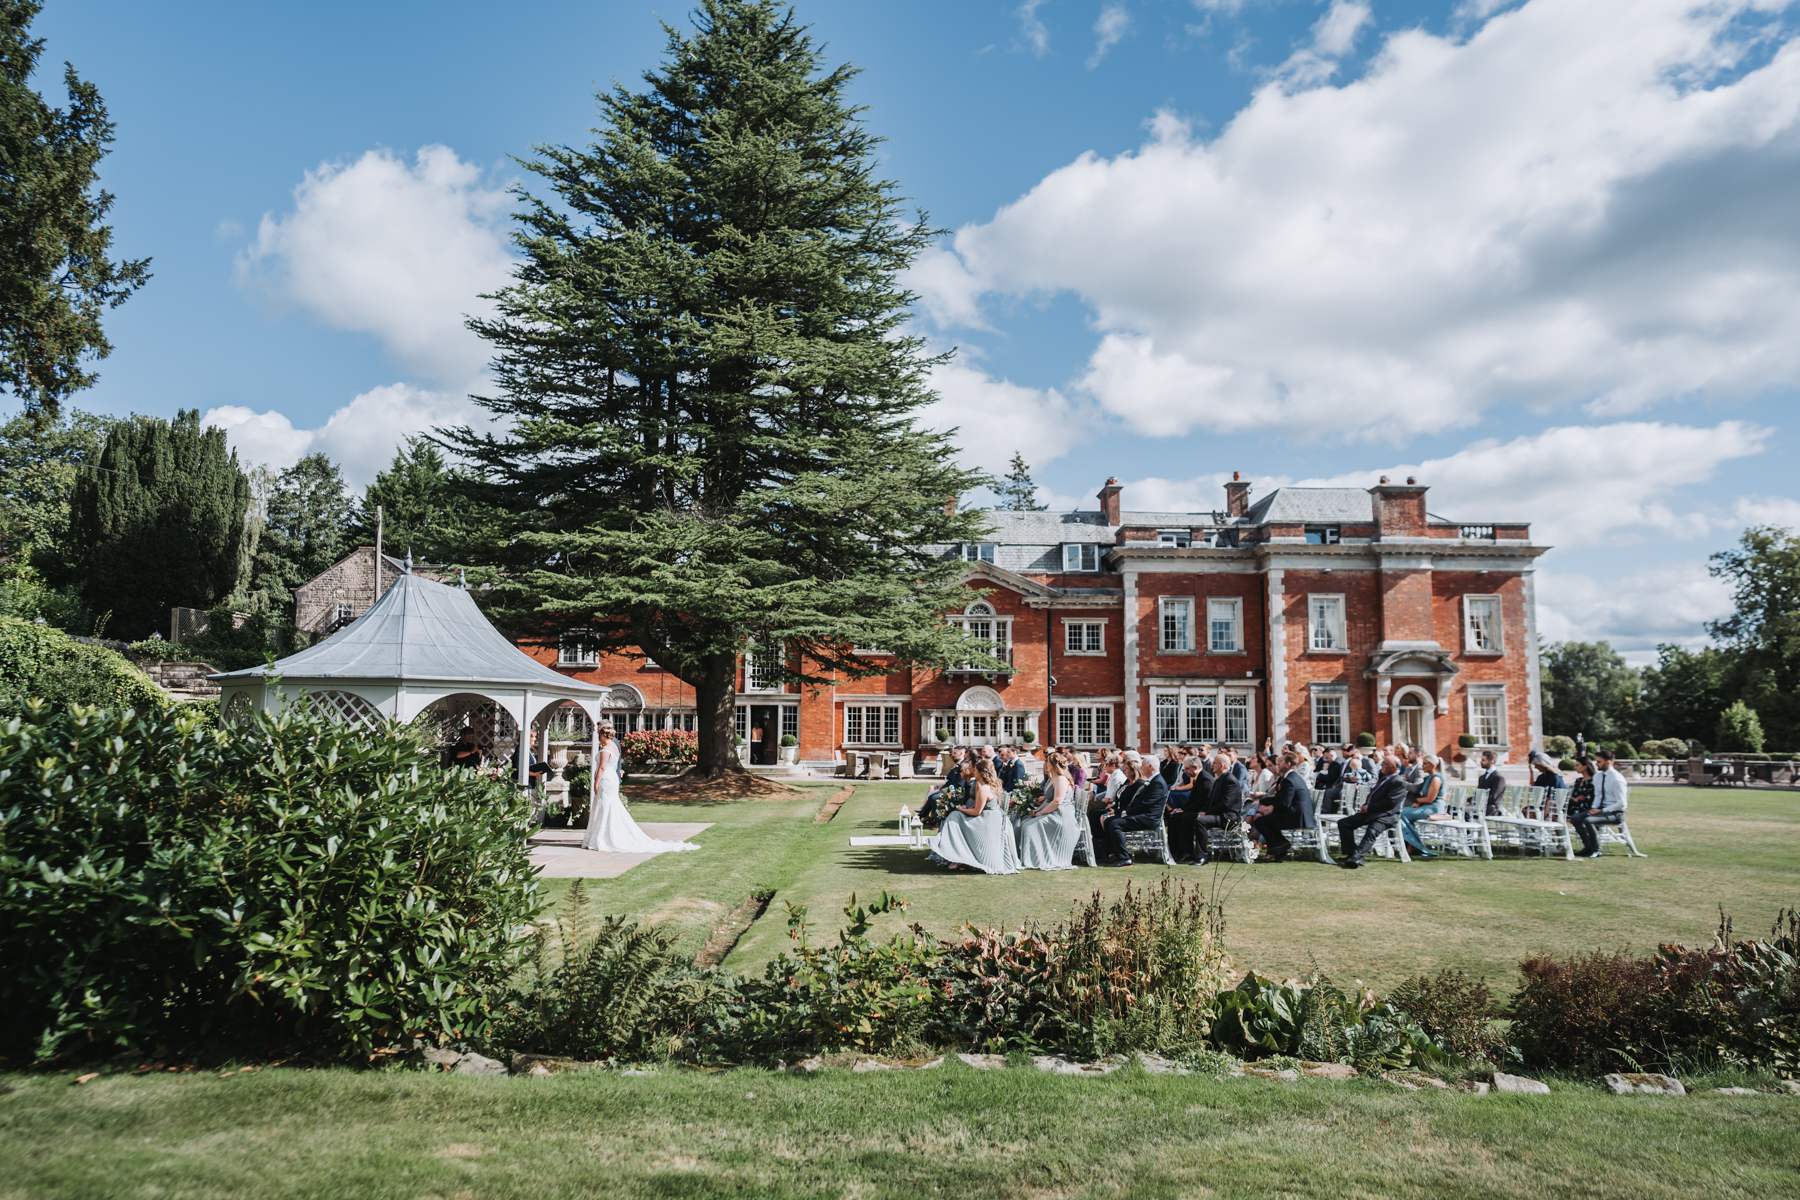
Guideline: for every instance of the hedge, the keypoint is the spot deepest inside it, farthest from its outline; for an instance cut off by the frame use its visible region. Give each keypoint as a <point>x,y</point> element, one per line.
<point>43,663</point>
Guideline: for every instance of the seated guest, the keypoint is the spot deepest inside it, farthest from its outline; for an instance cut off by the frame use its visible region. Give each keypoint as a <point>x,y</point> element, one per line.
<point>1009,768</point>
<point>1140,807</point>
<point>465,751</point>
<point>975,834</point>
<point>1544,773</point>
<point>1170,767</point>
<point>1077,772</point>
<point>1290,807</point>
<point>947,795</point>
<point>1378,815</point>
<point>1186,800</point>
<point>1611,794</point>
<point>1049,833</point>
<point>1427,803</point>
<point>1329,781</point>
<point>1224,807</point>
<point>1491,782</point>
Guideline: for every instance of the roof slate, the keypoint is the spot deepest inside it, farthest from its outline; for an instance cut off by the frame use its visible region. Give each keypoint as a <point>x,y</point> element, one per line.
<point>420,630</point>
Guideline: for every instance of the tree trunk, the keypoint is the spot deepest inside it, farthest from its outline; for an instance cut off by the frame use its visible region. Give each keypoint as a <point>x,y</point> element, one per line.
<point>715,696</point>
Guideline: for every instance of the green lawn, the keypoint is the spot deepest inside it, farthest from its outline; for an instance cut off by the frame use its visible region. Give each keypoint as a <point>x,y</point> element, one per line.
<point>952,1132</point>
<point>1707,848</point>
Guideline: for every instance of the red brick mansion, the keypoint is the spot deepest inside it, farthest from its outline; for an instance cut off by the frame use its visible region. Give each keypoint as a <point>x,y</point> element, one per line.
<point>1314,614</point>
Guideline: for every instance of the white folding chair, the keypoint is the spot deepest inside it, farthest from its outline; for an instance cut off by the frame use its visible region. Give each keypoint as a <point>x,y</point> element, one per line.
<point>1455,827</point>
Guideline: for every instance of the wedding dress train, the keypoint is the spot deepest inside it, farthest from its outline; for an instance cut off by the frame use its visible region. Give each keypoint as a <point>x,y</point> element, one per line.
<point>610,827</point>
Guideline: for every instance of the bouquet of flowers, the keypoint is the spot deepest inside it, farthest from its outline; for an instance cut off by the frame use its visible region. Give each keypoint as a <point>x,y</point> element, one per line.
<point>1024,798</point>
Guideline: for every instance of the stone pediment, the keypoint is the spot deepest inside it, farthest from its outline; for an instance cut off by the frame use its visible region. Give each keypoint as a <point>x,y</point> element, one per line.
<point>1424,660</point>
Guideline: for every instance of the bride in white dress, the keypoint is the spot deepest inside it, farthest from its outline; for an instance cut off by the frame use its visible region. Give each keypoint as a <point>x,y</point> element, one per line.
<point>609,826</point>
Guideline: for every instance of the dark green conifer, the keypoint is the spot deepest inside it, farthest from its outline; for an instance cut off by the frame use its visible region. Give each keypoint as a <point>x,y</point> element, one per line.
<point>707,390</point>
<point>159,522</point>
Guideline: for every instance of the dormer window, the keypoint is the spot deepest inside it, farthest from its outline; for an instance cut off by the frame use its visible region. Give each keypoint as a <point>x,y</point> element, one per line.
<point>1322,535</point>
<point>978,552</point>
<point>1180,539</point>
<point>1081,556</point>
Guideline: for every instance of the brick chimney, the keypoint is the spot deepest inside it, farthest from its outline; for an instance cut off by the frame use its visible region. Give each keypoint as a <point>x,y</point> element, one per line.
<point>950,504</point>
<point>1237,496</point>
<point>1109,500</point>
<point>1399,508</point>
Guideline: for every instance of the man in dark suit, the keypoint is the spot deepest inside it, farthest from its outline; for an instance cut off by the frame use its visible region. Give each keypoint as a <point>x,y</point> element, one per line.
<point>1009,768</point>
<point>1138,808</point>
<point>1330,775</point>
<point>1492,782</point>
<point>1224,806</point>
<point>1291,807</point>
<point>1379,814</point>
<point>1186,801</point>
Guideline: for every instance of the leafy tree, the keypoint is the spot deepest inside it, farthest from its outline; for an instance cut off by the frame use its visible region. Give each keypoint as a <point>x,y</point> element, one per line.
<point>306,527</point>
<point>708,391</point>
<point>159,522</point>
<point>1589,689</point>
<point>1685,690</point>
<point>40,460</point>
<point>1017,491</point>
<point>1739,729</point>
<point>426,509</point>
<point>55,276</point>
<point>1764,628</point>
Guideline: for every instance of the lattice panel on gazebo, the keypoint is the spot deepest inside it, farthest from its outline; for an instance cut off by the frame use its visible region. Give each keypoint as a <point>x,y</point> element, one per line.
<point>494,727</point>
<point>346,708</point>
<point>239,709</point>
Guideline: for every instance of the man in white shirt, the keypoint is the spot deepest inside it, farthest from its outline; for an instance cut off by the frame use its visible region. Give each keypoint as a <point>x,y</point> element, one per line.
<point>1611,794</point>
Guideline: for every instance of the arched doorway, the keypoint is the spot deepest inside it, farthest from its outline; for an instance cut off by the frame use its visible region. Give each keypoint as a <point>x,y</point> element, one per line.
<point>494,727</point>
<point>1413,713</point>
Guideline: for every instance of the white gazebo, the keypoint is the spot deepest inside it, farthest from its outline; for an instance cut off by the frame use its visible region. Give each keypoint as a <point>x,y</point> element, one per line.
<point>424,649</point>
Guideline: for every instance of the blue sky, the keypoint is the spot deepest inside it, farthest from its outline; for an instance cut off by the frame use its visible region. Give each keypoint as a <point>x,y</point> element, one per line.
<point>1546,254</point>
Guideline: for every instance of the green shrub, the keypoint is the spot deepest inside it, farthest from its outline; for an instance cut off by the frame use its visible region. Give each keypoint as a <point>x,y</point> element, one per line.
<point>1466,740</point>
<point>1314,1019</point>
<point>1365,739</point>
<point>1562,747</point>
<point>1028,737</point>
<point>1457,1012</point>
<point>288,883</point>
<point>1664,748</point>
<point>789,741</point>
<point>603,990</point>
<point>1567,764</point>
<point>1608,1012</point>
<point>38,662</point>
<point>1740,730</point>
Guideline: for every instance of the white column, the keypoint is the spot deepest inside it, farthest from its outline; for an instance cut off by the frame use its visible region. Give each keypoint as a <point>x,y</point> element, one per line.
<point>1278,697</point>
<point>1534,694</point>
<point>593,758</point>
<point>1130,740</point>
<point>524,749</point>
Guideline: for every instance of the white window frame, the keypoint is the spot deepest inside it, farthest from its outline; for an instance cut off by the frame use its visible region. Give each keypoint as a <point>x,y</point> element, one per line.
<point>1072,719</point>
<point>976,552</point>
<point>883,719</point>
<point>1487,691</point>
<point>1234,606</point>
<point>1333,628</point>
<point>1179,539</point>
<point>1339,696</point>
<point>978,612</point>
<point>789,720</point>
<point>1469,639</point>
<point>1186,714</point>
<point>572,651</point>
<point>1080,556</point>
<point>1085,637</point>
<point>750,660</point>
<point>1168,607</point>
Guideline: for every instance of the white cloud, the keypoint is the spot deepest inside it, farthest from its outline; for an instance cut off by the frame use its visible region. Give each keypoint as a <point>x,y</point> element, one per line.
<point>1333,36</point>
<point>399,251</point>
<point>360,437</point>
<point>1577,485</point>
<point>1779,511</point>
<point>1582,203</point>
<point>1670,602</point>
<point>996,417</point>
<point>1114,21</point>
<point>1032,27</point>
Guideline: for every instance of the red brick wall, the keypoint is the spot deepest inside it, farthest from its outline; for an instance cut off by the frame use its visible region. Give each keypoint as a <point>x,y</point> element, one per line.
<point>1361,591</point>
<point>1511,667</point>
<point>1253,636</point>
<point>1406,606</point>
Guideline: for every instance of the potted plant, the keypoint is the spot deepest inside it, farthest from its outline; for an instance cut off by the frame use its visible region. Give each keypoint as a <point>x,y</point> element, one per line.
<point>942,735</point>
<point>790,749</point>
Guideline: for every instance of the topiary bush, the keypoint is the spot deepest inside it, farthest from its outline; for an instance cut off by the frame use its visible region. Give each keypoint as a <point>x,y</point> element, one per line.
<point>289,883</point>
<point>1740,729</point>
<point>1365,740</point>
<point>38,662</point>
<point>1560,746</point>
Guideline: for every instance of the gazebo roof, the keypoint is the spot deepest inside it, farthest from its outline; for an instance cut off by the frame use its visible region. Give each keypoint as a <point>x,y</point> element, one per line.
<point>425,632</point>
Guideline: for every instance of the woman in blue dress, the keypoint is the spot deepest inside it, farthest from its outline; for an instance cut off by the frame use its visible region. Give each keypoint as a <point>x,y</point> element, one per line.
<point>975,835</point>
